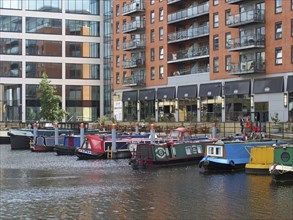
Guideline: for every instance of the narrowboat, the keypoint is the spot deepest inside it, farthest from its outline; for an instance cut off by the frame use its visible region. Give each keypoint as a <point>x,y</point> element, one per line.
<point>96,147</point>
<point>45,144</point>
<point>179,148</point>
<point>20,140</point>
<point>260,160</point>
<point>71,143</point>
<point>282,168</point>
<point>229,156</point>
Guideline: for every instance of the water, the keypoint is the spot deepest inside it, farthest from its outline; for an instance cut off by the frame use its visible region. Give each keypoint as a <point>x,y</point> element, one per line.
<point>46,186</point>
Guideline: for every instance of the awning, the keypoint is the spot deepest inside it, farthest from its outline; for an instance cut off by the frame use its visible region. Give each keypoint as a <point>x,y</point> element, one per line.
<point>187,92</point>
<point>148,94</point>
<point>237,88</point>
<point>268,85</point>
<point>290,84</point>
<point>211,89</point>
<point>166,93</point>
<point>129,96</point>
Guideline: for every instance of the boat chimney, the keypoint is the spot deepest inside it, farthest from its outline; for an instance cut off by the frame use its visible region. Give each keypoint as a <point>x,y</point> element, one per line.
<point>113,137</point>
<point>81,133</point>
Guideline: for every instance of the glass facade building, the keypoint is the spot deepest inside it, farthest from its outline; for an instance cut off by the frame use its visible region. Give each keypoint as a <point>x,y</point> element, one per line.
<point>61,38</point>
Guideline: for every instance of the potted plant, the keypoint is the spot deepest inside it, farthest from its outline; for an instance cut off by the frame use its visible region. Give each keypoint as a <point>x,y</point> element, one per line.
<point>276,127</point>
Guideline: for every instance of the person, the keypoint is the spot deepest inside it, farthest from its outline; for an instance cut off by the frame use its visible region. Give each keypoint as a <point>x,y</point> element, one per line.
<point>242,124</point>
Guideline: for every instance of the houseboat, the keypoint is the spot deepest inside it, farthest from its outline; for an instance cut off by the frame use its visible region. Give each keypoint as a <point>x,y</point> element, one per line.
<point>45,144</point>
<point>260,160</point>
<point>229,156</point>
<point>20,140</point>
<point>71,143</point>
<point>178,148</point>
<point>282,168</point>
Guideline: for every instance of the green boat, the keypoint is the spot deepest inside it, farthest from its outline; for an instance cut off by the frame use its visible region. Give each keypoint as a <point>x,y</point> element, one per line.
<point>282,168</point>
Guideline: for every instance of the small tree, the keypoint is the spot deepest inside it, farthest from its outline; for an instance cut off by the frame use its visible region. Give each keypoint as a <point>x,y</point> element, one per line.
<point>50,110</point>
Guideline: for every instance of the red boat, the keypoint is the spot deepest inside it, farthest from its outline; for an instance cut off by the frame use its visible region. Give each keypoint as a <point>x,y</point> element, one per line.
<point>45,144</point>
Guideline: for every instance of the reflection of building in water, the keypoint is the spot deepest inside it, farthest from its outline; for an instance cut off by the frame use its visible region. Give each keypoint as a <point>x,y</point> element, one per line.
<point>49,38</point>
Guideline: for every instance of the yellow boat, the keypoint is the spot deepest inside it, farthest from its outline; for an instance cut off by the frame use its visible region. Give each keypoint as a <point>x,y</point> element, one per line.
<point>261,158</point>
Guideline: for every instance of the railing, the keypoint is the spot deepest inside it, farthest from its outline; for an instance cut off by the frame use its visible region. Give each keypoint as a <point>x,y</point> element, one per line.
<point>247,17</point>
<point>188,34</point>
<point>189,13</point>
<point>174,1</point>
<point>248,41</point>
<point>134,44</point>
<point>234,1</point>
<point>136,6</point>
<point>132,26</point>
<point>201,69</point>
<point>186,54</point>
<point>134,80</point>
<point>251,66</point>
<point>133,63</point>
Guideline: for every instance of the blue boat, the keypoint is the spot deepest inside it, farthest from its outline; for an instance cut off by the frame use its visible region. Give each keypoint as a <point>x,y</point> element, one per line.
<point>71,143</point>
<point>229,156</point>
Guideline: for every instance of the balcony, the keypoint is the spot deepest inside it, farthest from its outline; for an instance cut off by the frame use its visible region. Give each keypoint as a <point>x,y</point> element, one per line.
<point>248,67</point>
<point>134,44</point>
<point>134,8</point>
<point>188,13</point>
<point>188,34</point>
<point>133,63</point>
<point>187,55</point>
<point>134,80</point>
<point>201,69</point>
<point>134,26</point>
<point>248,42</point>
<point>234,1</point>
<point>171,2</point>
<point>247,18</point>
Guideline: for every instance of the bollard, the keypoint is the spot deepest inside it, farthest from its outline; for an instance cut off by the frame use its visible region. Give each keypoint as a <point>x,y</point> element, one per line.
<point>35,132</point>
<point>214,130</point>
<point>136,128</point>
<point>81,134</point>
<point>153,134</point>
<point>113,138</point>
<point>56,133</point>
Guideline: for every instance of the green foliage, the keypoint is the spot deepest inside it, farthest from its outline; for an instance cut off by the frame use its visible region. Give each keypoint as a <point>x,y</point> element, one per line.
<point>50,110</point>
<point>102,120</point>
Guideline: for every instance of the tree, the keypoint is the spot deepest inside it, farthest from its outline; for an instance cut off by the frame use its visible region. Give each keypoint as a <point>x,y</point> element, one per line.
<point>50,109</point>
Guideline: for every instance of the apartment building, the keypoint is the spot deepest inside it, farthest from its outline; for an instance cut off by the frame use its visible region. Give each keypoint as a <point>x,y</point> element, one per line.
<point>202,60</point>
<point>62,38</point>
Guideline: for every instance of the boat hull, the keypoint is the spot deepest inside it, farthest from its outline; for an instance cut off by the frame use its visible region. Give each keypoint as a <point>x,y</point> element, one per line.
<point>65,150</point>
<point>211,166</point>
<point>89,155</point>
<point>42,148</point>
<point>280,177</point>
<point>20,142</point>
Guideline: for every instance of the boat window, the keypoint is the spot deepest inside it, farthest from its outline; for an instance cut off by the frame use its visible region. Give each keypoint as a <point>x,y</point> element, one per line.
<point>174,134</point>
<point>216,151</point>
<point>285,157</point>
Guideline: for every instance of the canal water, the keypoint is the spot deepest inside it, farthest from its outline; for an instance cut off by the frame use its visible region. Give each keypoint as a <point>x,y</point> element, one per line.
<point>46,186</point>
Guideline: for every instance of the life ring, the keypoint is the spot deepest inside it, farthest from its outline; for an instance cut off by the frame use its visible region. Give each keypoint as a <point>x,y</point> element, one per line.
<point>232,163</point>
<point>160,152</point>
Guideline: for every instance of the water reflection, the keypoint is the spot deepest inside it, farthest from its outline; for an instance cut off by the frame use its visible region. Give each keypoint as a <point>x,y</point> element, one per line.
<point>44,186</point>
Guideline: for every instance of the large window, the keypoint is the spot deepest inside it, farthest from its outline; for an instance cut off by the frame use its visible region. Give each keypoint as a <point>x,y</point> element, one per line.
<point>43,48</point>
<point>152,73</point>
<point>161,51</point>
<point>83,7</point>
<point>235,106</point>
<point>152,17</point>
<point>11,4</point>
<point>216,20</point>
<point>161,74</point>
<point>10,23</point>
<point>10,46</point>
<point>44,5</point>
<point>82,49</point>
<point>278,6</point>
<point>279,56</point>
<point>216,64</point>
<point>12,102</point>
<point>10,69</point>
<point>83,28</point>
<point>278,30</point>
<point>216,42</point>
<point>36,70</point>
<point>228,40</point>
<point>43,25</point>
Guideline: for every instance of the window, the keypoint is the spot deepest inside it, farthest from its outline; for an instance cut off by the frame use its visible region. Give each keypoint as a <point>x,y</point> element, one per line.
<point>228,62</point>
<point>152,73</point>
<point>292,27</point>
<point>152,35</point>
<point>216,64</point>
<point>152,54</point>
<point>152,17</point>
<point>227,16</point>
<point>13,46</point>
<point>117,44</point>
<point>216,2</point>
<point>10,23</point>
<point>161,31</point>
<point>161,76</point>
<point>75,6</point>
<point>161,12</point>
<point>161,50</point>
<point>291,4</point>
<point>117,78</point>
<point>216,20</point>
<point>216,42</point>
<point>124,76</point>
<point>117,27</point>
<point>291,54</point>
<point>279,56</point>
<point>78,27</point>
<point>215,151</point>
<point>228,40</point>
<point>278,6</point>
<point>117,10</point>
<point>278,34</point>
<point>152,2</point>
<point>117,61</point>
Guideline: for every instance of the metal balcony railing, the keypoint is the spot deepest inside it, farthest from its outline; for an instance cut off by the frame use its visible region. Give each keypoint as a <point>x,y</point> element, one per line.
<point>234,1</point>
<point>247,17</point>
<point>201,69</point>
<point>247,67</point>
<point>134,80</point>
<point>188,34</point>
<point>188,13</point>
<point>174,1</point>
<point>133,26</point>
<point>134,44</point>
<point>133,7</point>
<point>133,63</point>
<point>187,54</point>
<point>247,42</point>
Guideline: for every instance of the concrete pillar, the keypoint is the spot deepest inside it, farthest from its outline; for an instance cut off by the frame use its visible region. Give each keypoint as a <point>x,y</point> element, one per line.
<point>56,133</point>
<point>214,130</point>
<point>114,138</point>
<point>136,128</point>
<point>35,131</point>
<point>153,133</point>
<point>81,133</point>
